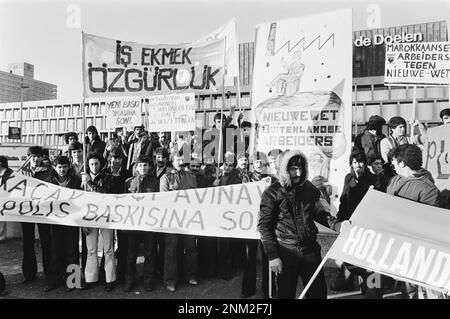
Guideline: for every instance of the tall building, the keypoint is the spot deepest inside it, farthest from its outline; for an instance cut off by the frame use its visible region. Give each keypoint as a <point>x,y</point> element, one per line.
<point>22,74</point>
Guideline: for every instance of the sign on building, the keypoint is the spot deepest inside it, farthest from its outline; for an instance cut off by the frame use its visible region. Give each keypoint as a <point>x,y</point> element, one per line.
<point>424,63</point>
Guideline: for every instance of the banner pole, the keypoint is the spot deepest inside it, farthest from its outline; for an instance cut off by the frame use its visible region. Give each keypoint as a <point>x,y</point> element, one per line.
<point>316,273</point>
<point>270,283</point>
<point>355,110</point>
<point>413,110</point>
<point>84,136</point>
<point>219,160</point>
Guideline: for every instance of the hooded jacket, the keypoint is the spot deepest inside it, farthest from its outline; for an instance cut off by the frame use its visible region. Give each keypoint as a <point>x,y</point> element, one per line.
<point>419,187</point>
<point>287,212</point>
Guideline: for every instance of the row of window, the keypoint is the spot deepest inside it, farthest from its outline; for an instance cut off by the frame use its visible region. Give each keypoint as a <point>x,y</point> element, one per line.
<point>74,110</point>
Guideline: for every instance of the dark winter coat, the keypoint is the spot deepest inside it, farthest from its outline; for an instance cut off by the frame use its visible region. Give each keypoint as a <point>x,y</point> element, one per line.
<point>287,212</point>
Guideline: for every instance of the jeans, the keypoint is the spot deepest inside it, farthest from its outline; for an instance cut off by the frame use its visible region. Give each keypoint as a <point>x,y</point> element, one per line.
<point>92,267</point>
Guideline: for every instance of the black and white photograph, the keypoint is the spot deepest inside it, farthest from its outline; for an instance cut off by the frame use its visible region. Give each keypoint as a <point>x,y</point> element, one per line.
<point>224,154</point>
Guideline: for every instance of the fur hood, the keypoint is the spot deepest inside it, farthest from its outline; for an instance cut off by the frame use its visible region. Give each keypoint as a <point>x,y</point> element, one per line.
<point>283,173</point>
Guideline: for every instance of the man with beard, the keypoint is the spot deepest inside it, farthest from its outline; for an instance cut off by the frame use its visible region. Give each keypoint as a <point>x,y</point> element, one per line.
<point>231,250</point>
<point>162,164</point>
<point>288,210</point>
<point>175,179</point>
<point>140,144</point>
<point>207,246</point>
<point>356,185</point>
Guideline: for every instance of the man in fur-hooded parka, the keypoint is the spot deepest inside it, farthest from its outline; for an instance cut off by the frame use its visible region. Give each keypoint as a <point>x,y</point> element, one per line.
<point>288,210</point>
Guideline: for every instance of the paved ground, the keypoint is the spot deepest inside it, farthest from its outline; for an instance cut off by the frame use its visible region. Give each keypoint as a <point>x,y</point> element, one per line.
<point>10,265</point>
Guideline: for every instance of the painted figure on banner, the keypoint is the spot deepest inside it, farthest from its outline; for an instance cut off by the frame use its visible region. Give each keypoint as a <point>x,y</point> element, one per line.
<point>289,83</point>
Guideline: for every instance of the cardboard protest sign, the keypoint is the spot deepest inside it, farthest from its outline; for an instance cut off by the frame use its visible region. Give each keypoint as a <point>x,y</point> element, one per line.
<point>123,112</point>
<point>302,92</point>
<point>398,238</point>
<point>421,63</point>
<point>175,112</point>
<point>436,155</point>
<point>228,211</point>
<point>112,67</point>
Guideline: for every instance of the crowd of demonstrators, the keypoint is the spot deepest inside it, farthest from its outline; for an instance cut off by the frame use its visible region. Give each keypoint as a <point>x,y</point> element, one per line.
<point>395,164</point>
<point>140,162</point>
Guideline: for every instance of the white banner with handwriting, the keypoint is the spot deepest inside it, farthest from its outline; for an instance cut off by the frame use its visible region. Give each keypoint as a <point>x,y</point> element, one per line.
<point>226,211</point>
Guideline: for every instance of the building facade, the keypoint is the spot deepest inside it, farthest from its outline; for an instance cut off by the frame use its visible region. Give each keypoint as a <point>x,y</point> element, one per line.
<point>22,75</point>
<point>44,122</point>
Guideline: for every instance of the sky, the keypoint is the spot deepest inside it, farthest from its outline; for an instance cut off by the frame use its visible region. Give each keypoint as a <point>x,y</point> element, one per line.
<point>48,33</point>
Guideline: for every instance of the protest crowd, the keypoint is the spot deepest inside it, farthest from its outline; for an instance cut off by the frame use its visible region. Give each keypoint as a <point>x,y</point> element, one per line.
<point>139,162</point>
<point>142,177</point>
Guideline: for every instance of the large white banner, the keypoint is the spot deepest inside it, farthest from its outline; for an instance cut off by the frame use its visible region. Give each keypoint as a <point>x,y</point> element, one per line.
<point>302,85</point>
<point>112,67</point>
<point>227,32</point>
<point>226,211</point>
<point>123,112</point>
<point>399,238</point>
<point>174,112</point>
<point>436,155</point>
<point>421,63</point>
